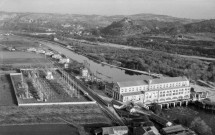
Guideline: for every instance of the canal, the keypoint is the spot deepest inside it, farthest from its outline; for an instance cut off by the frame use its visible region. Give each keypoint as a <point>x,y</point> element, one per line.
<point>110,74</point>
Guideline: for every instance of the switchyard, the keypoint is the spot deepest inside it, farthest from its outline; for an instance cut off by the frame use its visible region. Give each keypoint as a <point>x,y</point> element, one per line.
<point>46,86</point>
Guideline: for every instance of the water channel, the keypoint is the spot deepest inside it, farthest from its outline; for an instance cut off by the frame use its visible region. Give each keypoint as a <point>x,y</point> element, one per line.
<point>105,72</point>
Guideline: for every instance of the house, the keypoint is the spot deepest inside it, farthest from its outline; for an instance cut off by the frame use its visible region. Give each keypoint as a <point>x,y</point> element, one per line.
<point>144,131</point>
<point>117,130</point>
<point>56,56</point>
<point>84,72</point>
<point>49,53</point>
<point>11,49</point>
<point>64,60</point>
<point>177,130</point>
<point>31,49</point>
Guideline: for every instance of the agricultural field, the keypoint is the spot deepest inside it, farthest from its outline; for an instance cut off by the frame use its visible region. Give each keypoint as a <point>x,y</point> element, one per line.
<point>7,97</point>
<point>20,58</point>
<point>18,43</point>
<point>79,114</point>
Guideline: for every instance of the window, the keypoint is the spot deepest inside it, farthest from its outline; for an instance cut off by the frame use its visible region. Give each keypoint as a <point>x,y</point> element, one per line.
<point>180,93</point>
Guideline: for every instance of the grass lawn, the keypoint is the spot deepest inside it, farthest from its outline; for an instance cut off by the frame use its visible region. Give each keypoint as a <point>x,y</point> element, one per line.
<point>79,114</point>
<point>18,42</point>
<point>22,58</point>
<point>7,97</point>
<point>42,129</point>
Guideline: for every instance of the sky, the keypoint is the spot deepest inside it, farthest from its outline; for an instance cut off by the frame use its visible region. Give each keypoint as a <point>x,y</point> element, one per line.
<point>195,9</point>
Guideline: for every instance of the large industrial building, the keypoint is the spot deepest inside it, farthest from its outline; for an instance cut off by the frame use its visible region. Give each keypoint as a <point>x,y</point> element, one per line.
<point>161,90</point>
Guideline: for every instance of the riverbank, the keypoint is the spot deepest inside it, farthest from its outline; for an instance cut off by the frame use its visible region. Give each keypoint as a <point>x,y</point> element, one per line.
<point>105,63</point>
<point>115,74</point>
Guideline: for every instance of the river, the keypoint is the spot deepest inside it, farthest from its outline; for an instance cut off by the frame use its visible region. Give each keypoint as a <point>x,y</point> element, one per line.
<point>105,72</point>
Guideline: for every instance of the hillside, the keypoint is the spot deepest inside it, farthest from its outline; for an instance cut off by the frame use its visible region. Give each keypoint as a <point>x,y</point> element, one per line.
<point>162,18</point>
<point>126,27</point>
<point>204,26</point>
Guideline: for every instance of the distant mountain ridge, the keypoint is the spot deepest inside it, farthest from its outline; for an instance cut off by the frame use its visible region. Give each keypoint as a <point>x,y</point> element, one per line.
<point>98,20</point>
<point>117,25</point>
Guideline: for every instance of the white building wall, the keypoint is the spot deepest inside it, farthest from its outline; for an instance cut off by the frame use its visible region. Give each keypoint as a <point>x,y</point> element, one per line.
<point>155,92</point>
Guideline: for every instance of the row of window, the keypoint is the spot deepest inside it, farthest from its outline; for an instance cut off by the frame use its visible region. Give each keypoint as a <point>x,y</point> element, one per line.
<point>180,97</point>
<point>151,87</point>
<point>173,91</point>
<point>156,86</point>
<point>133,89</point>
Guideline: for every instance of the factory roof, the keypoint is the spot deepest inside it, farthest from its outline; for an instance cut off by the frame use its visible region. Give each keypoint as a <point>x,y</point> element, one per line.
<point>151,81</point>
<point>173,129</point>
<point>168,80</point>
<point>132,83</point>
<point>111,130</point>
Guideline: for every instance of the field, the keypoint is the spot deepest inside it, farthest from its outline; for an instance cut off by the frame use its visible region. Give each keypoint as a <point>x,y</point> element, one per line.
<point>7,97</point>
<point>79,114</point>
<point>17,42</point>
<point>47,129</point>
<point>20,58</point>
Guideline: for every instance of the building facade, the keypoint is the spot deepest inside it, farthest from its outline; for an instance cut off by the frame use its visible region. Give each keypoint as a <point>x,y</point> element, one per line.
<point>160,90</point>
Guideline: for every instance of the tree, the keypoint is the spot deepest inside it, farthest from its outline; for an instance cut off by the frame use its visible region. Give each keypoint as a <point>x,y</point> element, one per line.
<point>156,108</point>
<point>200,127</point>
